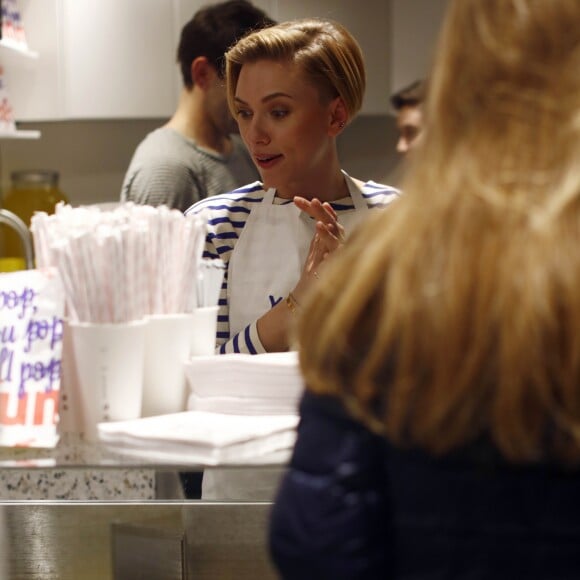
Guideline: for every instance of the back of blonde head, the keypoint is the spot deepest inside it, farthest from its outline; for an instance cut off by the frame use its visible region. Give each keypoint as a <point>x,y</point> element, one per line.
<point>459,311</point>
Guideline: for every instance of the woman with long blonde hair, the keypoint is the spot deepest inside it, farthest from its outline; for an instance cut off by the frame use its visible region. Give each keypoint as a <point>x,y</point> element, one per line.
<point>440,432</point>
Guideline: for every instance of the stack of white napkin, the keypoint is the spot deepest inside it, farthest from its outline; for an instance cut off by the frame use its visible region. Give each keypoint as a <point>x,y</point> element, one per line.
<point>197,437</point>
<point>243,409</point>
<point>245,384</point>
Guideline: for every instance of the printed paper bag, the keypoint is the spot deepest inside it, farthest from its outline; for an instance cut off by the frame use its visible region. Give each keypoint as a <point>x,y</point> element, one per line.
<point>31,325</point>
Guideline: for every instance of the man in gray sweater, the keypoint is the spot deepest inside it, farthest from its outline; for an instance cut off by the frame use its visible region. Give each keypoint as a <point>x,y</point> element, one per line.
<point>197,153</point>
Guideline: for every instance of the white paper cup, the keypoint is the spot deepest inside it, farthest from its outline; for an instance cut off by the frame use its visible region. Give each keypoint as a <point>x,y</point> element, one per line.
<point>69,413</point>
<point>203,331</point>
<point>109,369</point>
<point>167,347</point>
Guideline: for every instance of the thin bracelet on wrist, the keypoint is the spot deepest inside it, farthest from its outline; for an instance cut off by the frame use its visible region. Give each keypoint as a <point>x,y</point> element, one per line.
<point>292,303</point>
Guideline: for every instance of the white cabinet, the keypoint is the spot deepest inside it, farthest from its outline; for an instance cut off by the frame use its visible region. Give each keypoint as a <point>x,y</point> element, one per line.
<point>13,61</point>
<point>117,58</point>
<point>34,85</point>
<point>16,62</point>
<point>111,59</point>
<point>98,60</point>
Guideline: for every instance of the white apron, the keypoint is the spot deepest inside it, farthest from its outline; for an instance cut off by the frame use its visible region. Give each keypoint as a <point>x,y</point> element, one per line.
<point>268,259</point>
<point>265,265</point>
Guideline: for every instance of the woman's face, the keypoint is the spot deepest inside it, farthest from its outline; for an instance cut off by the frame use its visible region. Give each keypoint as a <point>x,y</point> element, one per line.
<point>284,124</point>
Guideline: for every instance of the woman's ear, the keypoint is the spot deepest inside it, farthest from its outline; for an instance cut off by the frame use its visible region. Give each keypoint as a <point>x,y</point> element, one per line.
<point>202,72</point>
<point>338,117</point>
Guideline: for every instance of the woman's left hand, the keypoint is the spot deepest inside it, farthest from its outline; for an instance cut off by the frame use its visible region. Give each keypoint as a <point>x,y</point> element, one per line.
<point>329,236</point>
<point>329,231</point>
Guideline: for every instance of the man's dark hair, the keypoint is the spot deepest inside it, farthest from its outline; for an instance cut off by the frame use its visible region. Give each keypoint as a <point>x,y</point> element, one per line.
<point>409,96</point>
<point>213,29</point>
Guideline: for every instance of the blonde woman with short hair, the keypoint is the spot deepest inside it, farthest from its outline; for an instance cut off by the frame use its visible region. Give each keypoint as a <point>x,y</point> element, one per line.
<point>293,88</point>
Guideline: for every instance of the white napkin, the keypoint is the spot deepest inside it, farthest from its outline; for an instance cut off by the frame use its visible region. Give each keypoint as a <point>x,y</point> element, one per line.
<point>202,438</point>
<point>260,384</point>
<point>243,405</point>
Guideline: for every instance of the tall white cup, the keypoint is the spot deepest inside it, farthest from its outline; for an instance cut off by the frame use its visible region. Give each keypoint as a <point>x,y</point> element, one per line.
<point>203,331</point>
<point>109,371</point>
<point>70,415</point>
<point>167,347</point>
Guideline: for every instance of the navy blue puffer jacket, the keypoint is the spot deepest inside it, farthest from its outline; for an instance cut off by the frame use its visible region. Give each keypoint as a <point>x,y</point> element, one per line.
<point>354,507</point>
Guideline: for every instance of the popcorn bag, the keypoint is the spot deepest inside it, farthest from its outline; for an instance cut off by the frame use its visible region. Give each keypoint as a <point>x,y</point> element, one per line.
<point>31,330</point>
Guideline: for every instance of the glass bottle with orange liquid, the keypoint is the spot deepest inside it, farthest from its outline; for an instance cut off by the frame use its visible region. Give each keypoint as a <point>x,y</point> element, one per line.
<point>30,191</point>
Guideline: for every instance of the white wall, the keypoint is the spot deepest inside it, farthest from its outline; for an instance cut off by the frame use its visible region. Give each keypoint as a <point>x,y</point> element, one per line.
<point>413,37</point>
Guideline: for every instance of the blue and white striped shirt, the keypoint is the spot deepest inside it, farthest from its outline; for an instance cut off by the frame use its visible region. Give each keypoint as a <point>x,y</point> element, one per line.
<point>226,217</point>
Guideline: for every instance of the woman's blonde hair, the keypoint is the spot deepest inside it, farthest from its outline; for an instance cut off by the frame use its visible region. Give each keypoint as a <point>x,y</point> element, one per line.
<point>457,314</point>
<point>327,53</point>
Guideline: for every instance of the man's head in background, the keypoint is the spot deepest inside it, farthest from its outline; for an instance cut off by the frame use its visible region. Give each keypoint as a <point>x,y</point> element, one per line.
<point>213,29</point>
<point>407,103</point>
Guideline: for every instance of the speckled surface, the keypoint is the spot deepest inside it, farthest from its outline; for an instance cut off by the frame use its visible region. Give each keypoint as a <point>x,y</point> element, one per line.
<point>77,484</point>
<point>74,470</point>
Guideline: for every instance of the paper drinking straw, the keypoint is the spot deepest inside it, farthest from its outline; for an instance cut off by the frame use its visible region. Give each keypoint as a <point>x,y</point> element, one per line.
<point>59,255</point>
<point>194,232</point>
<point>142,287</point>
<point>129,272</point>
<point>87,265</point>
<point>110,239</point>
<point>38,228</point>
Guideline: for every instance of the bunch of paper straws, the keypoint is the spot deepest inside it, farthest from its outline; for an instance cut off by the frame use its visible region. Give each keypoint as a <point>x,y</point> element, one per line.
<point>122,264</point>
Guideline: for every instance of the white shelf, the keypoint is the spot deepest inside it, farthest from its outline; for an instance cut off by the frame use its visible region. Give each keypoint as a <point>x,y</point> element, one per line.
<point>20,134</point>
<point>18,47</point>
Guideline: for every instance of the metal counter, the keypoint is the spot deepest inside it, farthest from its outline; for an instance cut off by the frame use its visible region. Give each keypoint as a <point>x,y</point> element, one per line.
<point>126,541</point>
